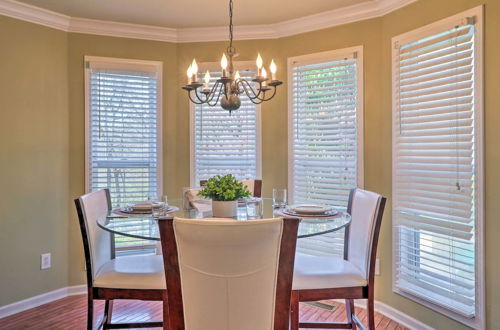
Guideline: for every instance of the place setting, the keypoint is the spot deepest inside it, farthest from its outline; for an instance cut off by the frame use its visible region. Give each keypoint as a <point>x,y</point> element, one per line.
<point>154,206</point>
<point>303,210</point>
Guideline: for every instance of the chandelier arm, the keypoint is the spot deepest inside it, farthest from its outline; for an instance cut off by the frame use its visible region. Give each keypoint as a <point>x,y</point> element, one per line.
<point>252,99</point>
<point>200,98</point>
<point>213,90</point>
<point>237,84</point>
<point>264,99</point>
<point>211,94</point>
<point>218,97</point>
<point>255,95</point>
<point>195,102</point>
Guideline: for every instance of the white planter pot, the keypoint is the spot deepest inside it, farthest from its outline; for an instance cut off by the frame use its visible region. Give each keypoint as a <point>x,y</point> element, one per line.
<point>224,209</point>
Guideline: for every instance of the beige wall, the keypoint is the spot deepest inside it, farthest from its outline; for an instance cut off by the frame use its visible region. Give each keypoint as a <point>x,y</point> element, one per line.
<point>375,36</point>
<point>33,159</point>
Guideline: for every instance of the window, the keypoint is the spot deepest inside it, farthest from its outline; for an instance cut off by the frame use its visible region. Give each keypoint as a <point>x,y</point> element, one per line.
<point>223,142</point>
<point>325,134</point>
<point>437,166</point>
<point>123,116</point>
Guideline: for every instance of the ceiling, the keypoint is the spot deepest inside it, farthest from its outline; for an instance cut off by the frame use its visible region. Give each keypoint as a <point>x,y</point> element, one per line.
<point>192,13</point>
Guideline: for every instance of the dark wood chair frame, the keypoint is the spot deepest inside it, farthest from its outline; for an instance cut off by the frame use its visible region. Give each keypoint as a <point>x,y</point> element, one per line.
<point>174,311</point>
<point>110,294</point>
<point>257,187</point>
<point>350,293</point>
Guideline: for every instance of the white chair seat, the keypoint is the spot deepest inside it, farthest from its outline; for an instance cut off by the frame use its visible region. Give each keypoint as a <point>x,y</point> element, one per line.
<point>132,272</point>
<point>322,272</point>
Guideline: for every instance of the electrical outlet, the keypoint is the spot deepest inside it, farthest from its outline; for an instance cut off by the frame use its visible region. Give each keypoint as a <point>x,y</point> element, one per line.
<point>377,267</point>
<point>45,261</point>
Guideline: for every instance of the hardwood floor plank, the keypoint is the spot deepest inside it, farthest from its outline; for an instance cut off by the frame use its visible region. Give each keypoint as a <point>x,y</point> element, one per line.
<point>71,313</point>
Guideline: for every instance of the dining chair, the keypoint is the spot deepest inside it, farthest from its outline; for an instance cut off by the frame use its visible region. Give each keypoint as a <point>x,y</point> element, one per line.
<point>351,277</point>
<point>227,274</point>
<point>109,278</point>
<point>255,186</point>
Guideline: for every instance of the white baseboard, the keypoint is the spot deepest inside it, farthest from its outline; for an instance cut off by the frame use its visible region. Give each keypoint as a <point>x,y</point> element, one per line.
<point>19,306</point>
<point>392,313</point>
<point>41,299</point>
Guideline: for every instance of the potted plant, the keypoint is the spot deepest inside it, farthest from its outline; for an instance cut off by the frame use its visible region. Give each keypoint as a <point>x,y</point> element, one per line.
<point>224,192</point>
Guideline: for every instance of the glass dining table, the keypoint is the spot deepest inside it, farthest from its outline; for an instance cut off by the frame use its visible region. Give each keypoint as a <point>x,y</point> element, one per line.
<point>144,226</point>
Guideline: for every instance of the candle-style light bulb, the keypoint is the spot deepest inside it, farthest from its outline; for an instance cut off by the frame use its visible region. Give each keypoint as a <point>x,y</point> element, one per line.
<point>207,79</point>
<point>194,68</point>
<point>237,76</point>
<point>189,74</point>
<point>259,63</point>
<point>223,64</point>
<point>273,69</point>
<point>223,61</point>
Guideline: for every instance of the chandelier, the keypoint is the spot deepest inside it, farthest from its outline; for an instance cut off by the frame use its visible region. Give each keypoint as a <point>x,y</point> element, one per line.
<point>231,85</point>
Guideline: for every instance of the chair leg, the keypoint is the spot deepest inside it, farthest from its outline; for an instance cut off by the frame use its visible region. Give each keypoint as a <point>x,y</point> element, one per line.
<point>350,311</point>
<point>370,310</point>
<point>294,311</point>
<point>90,313</point>
<point>166,320</point>
<point>108,313</point>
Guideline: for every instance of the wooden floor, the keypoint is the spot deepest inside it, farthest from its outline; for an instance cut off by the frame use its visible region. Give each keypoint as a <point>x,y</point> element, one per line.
<point>70,313</point>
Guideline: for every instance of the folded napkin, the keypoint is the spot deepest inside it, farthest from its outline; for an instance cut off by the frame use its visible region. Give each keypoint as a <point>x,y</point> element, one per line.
<point>196,201</point>
<point>202,206</point>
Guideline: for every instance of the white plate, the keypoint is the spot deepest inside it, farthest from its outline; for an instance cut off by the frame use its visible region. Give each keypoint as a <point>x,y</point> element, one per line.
<point>142,206</point>
<point>310,209</point>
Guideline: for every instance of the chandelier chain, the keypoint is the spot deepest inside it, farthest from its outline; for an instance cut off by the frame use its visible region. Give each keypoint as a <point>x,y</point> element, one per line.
<point>230,48</point>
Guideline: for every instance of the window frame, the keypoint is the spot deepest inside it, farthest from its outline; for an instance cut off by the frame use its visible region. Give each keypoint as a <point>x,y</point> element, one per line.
<point>324,57</point>
<point>428,30</point>
<point>215,67</point>
<point>113,63</point>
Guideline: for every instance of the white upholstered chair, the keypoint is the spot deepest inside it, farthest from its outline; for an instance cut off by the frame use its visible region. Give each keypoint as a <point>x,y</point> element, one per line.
<point>227,274</point>
<point>110,278</point>
<point>352,277</point>
<point>255,186</point>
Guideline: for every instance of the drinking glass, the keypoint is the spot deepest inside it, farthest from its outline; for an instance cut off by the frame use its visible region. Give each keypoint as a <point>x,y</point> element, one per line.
<point>254,208</point>
<point>157,209</point>
<point>279,198</point>
<point>164,199</point>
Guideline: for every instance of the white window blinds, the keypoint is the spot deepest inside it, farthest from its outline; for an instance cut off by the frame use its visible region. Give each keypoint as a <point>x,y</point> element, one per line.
<point>225,143</point>
<point>435,167</point>
<point>324,127</point>
<point>123,134</point>
<point>325,121</point>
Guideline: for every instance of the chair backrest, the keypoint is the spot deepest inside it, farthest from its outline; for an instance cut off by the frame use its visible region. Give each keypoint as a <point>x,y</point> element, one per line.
<point>366,209</point>
<point>255,186</point>
<point>228,274</point>
<point>96,242</point>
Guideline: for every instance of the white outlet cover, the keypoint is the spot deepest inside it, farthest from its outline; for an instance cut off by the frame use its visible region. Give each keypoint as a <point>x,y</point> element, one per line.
<point>45,262</point>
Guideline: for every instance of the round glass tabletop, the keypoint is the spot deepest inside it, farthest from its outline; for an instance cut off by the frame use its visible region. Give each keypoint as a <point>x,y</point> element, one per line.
<point>143,226</point>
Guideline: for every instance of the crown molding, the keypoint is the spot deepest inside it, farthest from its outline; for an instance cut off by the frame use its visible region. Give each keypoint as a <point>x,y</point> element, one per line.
<point>34,14</point>
<point>123,30</point>
<point>363,11</point>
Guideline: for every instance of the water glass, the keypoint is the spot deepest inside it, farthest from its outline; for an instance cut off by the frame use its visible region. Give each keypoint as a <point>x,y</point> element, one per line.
<point>254,208</point>
<point>164,200</point>
<point>158,209</point>
<point>279,198</point>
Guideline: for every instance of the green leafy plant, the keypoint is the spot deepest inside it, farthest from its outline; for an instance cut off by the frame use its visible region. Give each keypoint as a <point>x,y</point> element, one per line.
<point>224,188</point>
